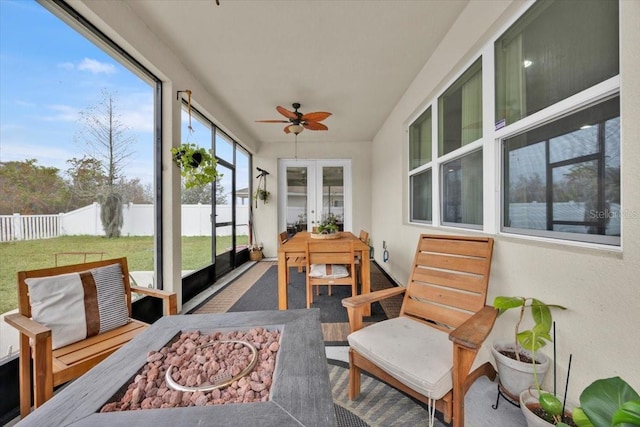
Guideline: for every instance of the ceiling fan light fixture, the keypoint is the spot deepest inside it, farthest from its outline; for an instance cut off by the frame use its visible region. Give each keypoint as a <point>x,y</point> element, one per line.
<point>296,129</point>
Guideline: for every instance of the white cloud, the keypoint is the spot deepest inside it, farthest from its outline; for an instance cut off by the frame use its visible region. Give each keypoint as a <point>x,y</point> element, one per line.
<point>66,66</point>
<point>65,113</point>
<point>96,67</point>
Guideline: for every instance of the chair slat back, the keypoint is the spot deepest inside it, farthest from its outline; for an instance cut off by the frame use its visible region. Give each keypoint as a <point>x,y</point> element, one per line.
<point>283,237</point>
<point>24,306</point>
<point>336,252</point>
<point>449,279</point>
<point>364,236</point>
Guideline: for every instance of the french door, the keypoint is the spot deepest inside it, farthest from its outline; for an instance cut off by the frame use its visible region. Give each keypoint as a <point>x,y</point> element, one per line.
<point>312,190</point>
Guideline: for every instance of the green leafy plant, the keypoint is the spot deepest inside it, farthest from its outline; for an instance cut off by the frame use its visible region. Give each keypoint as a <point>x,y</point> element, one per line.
<point>197,165</point>
<point>608,402</point>
<point>261,194</point>
<point>532,340</point>
<point>328,225</point>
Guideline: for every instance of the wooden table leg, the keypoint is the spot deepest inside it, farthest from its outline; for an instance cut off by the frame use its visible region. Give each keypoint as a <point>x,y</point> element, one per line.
<point>366,279</point>
<point>282,281</point>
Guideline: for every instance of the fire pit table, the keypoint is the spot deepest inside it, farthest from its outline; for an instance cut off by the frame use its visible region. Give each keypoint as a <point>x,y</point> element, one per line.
<point>300,393</point>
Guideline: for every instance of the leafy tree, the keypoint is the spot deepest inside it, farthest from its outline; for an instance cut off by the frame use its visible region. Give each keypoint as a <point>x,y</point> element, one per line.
<point>108,141</point>
<point>86,181</point>
<point>133,191</point>
<point>31,189</point>
<point>195,195</point>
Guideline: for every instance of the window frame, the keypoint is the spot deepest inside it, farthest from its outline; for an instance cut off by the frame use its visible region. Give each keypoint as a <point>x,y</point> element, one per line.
<point>491,143</point>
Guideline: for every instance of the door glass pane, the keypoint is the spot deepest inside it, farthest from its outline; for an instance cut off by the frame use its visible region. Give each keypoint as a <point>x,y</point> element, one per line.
<point>297,200</point>
<point>223,211</point>
<point>243,201</point>
<point>333,194</point>
<point>196,203</point>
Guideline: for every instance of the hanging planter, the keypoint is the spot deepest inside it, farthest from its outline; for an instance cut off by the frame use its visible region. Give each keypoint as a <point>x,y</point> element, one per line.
<point>262,195</point>
<point>197,165</point>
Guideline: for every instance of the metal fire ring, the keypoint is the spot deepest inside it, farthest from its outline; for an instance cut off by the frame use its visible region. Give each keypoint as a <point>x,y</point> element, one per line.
<point>223,380</point>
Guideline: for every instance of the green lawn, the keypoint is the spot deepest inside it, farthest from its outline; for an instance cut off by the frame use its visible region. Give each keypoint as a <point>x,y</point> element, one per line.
<point>32,254</point>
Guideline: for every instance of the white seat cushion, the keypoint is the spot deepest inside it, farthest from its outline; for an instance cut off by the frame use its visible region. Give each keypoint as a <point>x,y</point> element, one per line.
<point>328,271</point>
<point>419,356</point>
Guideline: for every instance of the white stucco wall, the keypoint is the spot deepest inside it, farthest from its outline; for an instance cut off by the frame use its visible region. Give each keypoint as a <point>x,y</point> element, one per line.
<point>601,288</point>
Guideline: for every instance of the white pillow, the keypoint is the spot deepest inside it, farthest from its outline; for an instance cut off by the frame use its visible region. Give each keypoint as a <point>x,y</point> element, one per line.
<point>76,306</point>
<point>329,271</point>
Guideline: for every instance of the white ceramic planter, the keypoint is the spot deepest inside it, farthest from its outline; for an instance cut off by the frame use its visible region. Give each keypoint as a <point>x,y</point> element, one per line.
<point>515,377</point>
<point>530,397</point>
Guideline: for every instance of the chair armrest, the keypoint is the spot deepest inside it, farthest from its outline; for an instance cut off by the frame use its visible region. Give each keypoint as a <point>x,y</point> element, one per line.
<point>355,305</point>
<point>27,326</point>
<point>169,297</point>
<point>362,299</point>
<point>472,333</point>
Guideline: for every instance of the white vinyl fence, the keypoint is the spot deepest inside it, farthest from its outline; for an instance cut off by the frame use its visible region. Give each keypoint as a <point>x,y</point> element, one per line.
<point>139,220</point>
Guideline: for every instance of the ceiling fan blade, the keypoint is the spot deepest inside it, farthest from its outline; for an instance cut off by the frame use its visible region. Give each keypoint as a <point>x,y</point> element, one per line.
<point>272,121</point>
<point>288,114</point>
<point>318,116</point>
<point>314,126</point>
<point>286,129</point>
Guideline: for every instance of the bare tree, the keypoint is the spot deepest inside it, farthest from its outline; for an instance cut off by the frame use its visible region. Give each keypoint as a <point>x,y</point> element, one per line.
<point>108,140</point>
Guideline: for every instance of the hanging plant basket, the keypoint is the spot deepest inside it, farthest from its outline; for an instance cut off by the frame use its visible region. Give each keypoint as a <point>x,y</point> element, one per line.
<point>262,195</point>
<point>197,165</point>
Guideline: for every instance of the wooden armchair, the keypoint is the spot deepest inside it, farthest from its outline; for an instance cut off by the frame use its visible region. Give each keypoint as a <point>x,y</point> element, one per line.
<point>324,262</point>
<point>434,350</point>
<point>101,293</point>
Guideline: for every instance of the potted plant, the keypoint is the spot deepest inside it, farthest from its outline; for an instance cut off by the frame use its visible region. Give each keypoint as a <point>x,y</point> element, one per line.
<point>197,165</point>
<point>518,363</point>
<point>255,251</point>
<point>329,225</point>
<point>261,195</point>
<point>608,402</point>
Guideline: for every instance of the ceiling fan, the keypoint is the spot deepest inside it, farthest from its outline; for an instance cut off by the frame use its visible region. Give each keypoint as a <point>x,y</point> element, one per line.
<point>298,121</point>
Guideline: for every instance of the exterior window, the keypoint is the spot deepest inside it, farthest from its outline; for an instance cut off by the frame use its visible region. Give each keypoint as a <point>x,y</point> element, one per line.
<point>460,111</point>
<point>462,190</point>
<point>421,203</point>
<point>420,140</point>
<point>555,50</point>
<point>562,179</point>
<point>420,149</point>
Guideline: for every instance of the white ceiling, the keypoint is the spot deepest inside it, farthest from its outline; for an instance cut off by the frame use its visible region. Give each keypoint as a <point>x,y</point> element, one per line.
<point>354,59</point>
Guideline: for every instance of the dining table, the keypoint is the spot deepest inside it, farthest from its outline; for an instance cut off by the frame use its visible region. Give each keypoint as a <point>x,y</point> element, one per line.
<point>296,246</point>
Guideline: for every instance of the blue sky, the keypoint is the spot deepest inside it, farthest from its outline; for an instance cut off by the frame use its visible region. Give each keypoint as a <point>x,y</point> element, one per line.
<point>48,74</point>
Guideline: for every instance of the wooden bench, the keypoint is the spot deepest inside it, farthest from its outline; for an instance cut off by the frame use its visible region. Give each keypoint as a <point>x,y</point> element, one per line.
<point>54,367</point>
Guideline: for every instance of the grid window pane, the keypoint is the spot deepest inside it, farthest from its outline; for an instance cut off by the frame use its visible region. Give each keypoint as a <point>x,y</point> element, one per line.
<point>460,111</point>
<point>555,50</point>
<point>420,140</point>
<point>565,175</point>
<point>462,190</point>
<point>421,200</point>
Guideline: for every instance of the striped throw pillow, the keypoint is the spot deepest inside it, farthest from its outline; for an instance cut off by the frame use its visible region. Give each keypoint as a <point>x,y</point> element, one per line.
<point>76,306</point>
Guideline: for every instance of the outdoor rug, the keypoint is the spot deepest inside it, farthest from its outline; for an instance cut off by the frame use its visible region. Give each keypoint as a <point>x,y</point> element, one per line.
<point>263,295</point>
<point>378,404</point>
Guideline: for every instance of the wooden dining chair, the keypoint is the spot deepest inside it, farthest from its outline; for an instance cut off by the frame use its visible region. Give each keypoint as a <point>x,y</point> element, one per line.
<point>330,264</point>
<point>70,318</point>
<point>296,261</point>
<point>364,238</point>
<point>433,351</point>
